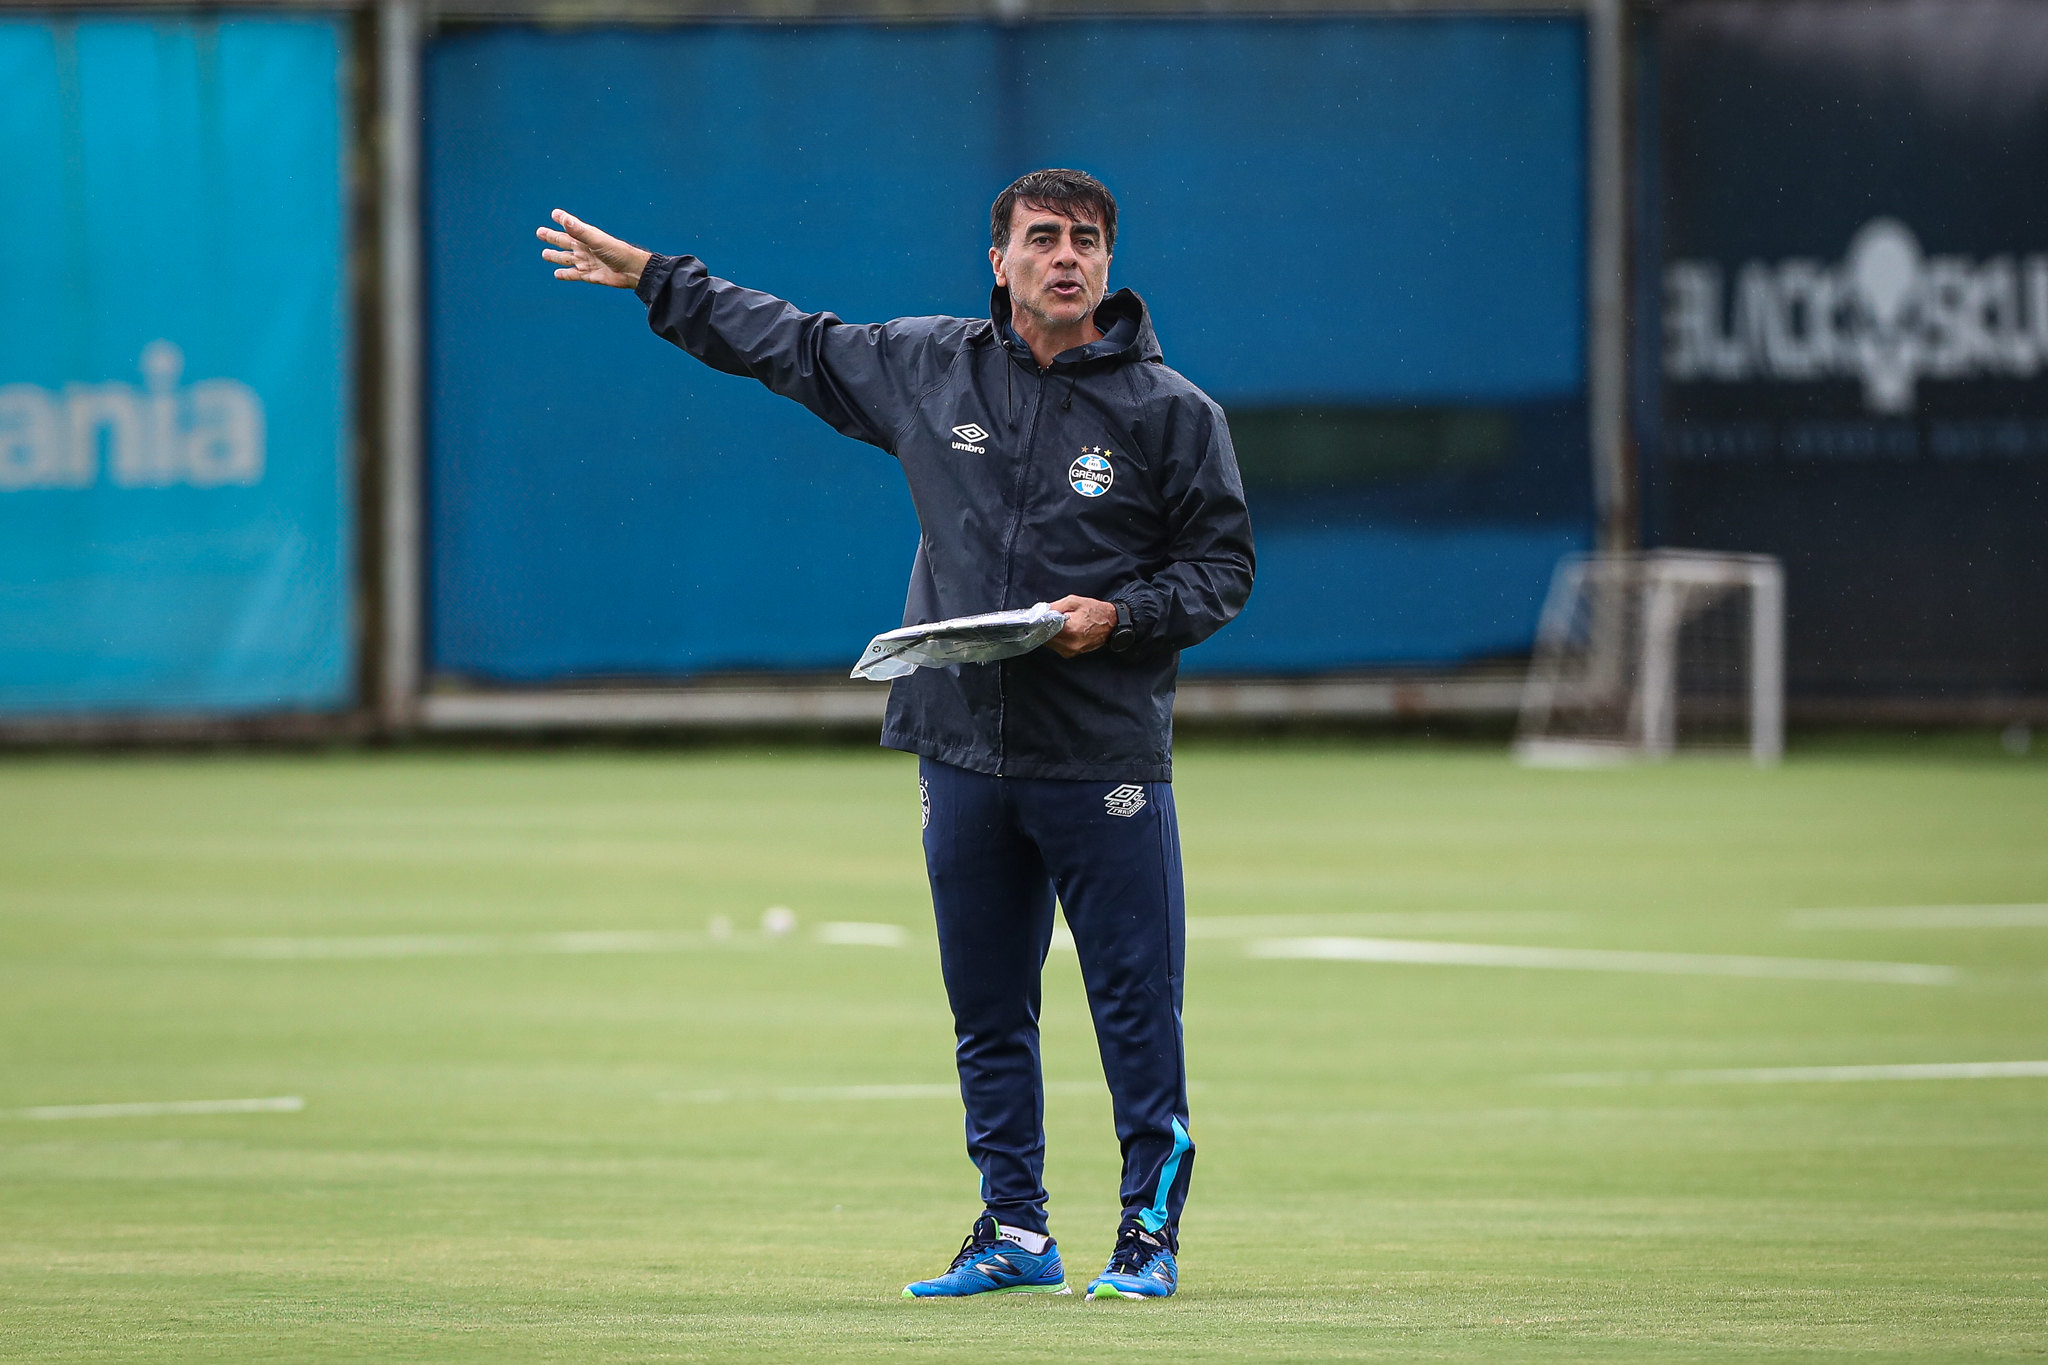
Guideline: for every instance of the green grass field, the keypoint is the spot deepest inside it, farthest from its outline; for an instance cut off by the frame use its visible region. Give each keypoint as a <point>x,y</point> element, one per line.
<point>519,1146</point>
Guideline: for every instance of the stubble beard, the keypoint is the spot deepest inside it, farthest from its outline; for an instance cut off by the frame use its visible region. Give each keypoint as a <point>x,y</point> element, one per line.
<point>1052,324</point>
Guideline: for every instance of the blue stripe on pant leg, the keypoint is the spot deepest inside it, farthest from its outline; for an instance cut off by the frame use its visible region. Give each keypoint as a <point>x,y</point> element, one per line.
<point>1154,1218</point>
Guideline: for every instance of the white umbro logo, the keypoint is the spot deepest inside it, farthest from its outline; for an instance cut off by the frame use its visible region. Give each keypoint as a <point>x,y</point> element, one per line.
<point>969,435</point>
<point>1126,800</point>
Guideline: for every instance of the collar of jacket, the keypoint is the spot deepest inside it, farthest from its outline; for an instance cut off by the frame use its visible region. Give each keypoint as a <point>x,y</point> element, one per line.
<point>1125,322</point>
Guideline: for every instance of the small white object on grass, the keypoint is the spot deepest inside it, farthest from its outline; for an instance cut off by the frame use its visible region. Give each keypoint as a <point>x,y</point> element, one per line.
<point>778,921</point>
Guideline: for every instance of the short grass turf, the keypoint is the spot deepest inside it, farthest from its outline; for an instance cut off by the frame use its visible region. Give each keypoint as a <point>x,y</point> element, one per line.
<point>510,1154</point>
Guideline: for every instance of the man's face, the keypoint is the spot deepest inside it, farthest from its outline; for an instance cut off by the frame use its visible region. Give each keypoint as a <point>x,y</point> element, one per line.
<point>1056,268</point>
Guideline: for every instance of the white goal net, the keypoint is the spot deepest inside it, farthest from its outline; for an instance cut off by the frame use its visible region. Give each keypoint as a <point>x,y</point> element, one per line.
<point>1640,655</point>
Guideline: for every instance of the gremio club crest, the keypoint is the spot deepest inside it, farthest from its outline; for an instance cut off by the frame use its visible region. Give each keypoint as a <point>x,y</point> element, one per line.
<point>1091,475</point>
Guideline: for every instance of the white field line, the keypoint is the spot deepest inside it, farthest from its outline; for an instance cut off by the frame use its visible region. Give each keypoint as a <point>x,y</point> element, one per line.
<point>856,935</point>
<point>1781,1075</point>
<point>1599,960</point>
<point>459,945</point>
<point>1924,917</point>
<point>1379,921</point>
<point>838,933</point>
<point>1384,921</point>
<point>580,943</point>
<point>279,1104</point>
<point>808,1094</point>
<point>827,1094</point>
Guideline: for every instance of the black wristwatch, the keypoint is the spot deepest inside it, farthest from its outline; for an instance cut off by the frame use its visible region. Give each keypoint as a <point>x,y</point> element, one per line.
<point>1123,634</point>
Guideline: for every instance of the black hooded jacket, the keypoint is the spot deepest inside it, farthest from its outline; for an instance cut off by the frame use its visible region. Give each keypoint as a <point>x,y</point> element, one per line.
<point>1106,475</point>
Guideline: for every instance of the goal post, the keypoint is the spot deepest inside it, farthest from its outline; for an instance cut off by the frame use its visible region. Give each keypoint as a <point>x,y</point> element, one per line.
<point>1641,655</point>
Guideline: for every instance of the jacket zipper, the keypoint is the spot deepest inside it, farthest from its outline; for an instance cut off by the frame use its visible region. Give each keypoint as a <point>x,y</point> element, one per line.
<point>1010,564</point>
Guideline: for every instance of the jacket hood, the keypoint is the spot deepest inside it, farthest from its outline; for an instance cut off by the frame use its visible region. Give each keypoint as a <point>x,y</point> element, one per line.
<point>1125,322</point>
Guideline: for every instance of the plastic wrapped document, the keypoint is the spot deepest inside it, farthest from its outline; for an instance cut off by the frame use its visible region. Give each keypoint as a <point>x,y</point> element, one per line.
<point>962,640</point>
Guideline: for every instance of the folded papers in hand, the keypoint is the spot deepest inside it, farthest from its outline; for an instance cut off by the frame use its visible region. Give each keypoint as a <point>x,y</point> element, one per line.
<point>962,640</point>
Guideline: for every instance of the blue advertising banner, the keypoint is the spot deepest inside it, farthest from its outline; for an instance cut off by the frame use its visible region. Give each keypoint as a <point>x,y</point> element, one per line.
<point>175,523</point>
<point>1363,237</point>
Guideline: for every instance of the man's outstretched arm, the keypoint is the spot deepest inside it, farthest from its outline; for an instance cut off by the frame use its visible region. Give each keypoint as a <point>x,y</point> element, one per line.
<point>582,252</point>
<point>864,380</point>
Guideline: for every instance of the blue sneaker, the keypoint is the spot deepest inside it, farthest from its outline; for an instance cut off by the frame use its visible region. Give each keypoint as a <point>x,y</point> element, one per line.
<point>1141,1267</point>
<point>997,1260</point>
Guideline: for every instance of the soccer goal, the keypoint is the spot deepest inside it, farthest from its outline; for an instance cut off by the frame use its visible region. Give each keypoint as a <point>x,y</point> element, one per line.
<point>1640,655</point>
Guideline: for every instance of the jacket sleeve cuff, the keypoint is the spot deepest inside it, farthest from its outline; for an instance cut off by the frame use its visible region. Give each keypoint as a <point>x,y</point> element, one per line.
<point>1146,611</point>
<point>654,275</point>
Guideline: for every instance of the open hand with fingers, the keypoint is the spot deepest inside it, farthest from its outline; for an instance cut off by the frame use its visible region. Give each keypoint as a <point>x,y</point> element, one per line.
<point>582,252</point>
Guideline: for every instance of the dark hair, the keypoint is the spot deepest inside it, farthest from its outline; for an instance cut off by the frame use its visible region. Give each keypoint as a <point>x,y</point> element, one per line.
<point>1076,194</point>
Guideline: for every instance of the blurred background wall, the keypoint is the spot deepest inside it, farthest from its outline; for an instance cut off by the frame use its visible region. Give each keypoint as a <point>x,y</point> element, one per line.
<point>1372,235</point>
<point>1378,275</point>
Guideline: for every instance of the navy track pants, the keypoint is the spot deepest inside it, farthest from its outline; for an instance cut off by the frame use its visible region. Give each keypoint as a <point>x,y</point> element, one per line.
<point>998,850</point>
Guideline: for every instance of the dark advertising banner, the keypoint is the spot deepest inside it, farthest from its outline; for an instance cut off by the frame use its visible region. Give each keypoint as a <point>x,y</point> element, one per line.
<point>1852,366</point>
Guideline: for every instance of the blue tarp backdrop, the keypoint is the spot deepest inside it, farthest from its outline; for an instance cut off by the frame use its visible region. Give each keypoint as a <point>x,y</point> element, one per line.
<point>1376,214</point>
<point>175,528</point>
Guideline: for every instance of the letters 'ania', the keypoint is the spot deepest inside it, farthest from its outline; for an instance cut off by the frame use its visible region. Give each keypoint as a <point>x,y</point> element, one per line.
<point>206,435</point>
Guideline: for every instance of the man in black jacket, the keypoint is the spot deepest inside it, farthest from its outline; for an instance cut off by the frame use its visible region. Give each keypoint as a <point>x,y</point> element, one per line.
<point>1052,456</point>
